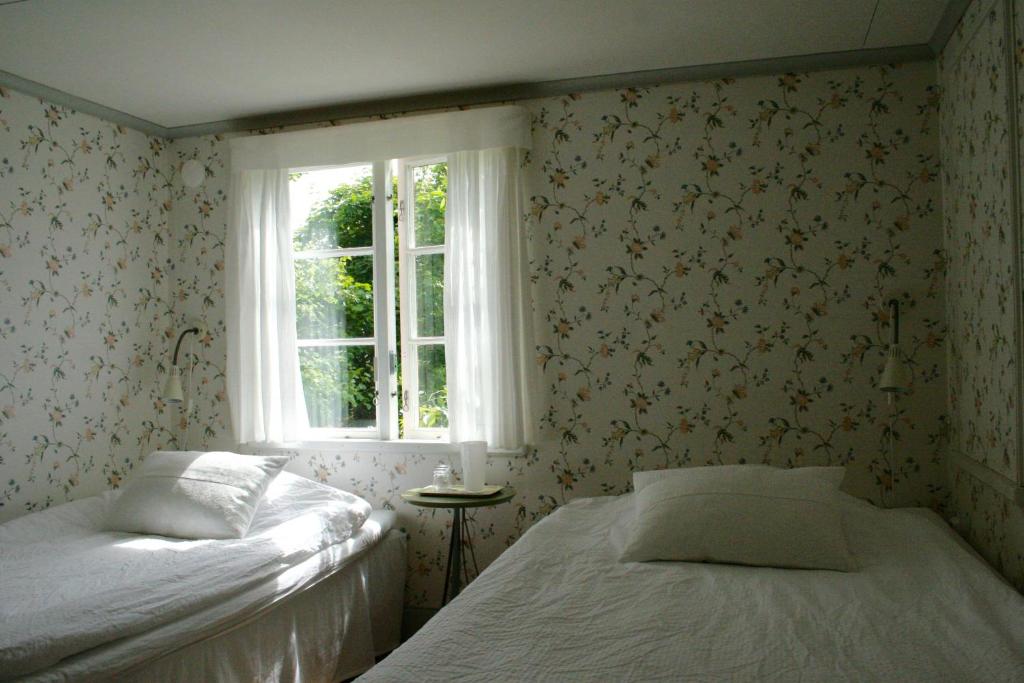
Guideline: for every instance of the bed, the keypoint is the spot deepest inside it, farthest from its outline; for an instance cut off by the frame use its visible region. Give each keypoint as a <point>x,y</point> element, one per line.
<point>559,606</point>
<point>304,596</point>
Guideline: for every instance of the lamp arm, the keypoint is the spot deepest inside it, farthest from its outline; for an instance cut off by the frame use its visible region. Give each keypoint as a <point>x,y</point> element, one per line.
<point>894,319</point>
<point>177,347</point>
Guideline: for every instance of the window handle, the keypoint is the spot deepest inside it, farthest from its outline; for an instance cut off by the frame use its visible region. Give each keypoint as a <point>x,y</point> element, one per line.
<point>405,400</point>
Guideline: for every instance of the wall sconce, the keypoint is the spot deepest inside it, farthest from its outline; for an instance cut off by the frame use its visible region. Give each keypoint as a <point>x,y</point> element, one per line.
<point>172,391</point>
<point>895,377</point>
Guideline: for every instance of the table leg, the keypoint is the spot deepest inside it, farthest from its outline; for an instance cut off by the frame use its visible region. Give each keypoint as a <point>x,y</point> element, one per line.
<point>453,572</point>
<point>448,569</point>
<point>456,553</point>
<point>471,555</point>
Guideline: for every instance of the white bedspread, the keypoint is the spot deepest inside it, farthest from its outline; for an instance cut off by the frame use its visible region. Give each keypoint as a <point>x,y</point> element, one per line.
<point>67,586</point>
<point>558,606</point>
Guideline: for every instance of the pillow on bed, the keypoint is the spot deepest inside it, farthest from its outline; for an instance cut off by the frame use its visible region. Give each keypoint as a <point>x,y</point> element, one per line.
<point>830,475</point>
<point>189,494</point>
<point>752,515</point>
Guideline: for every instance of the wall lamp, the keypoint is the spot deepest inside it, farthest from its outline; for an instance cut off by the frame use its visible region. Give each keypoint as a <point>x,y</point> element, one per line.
<point>895,378</point>
<point>172,391</point>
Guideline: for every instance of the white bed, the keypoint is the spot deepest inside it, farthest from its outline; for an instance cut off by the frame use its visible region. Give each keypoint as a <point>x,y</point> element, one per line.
<point>304,596</point>
<point>559,606</point>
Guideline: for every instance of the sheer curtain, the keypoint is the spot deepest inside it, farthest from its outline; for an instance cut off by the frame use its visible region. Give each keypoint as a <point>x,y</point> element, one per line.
<point>486,304</point>
<point>486,317</point>
<point>263,380</point>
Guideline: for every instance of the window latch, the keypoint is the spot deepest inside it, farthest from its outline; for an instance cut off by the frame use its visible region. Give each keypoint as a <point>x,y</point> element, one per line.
<point>401,210</point>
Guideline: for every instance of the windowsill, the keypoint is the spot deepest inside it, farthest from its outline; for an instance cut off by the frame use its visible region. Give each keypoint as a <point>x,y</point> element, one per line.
<point>396,447</point>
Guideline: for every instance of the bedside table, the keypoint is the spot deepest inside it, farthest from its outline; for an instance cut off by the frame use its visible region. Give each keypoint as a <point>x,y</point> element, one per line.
<point>460,530</point>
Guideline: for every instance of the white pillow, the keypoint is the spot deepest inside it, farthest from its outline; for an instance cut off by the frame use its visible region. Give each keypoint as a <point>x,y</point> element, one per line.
<point>831,475</point>
<point>760,516</point>
<point>189,494</point>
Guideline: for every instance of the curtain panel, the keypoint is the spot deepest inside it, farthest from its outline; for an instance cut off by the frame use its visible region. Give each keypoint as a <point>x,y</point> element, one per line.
<point>486,304</point>
<point>263,380</point>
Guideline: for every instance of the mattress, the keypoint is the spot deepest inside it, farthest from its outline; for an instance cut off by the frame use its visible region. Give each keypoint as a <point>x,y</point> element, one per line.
<point>127,598</point>
<point>558,606</point>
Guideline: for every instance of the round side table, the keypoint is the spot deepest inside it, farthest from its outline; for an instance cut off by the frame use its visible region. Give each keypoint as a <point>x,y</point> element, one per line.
<point>460,529</point>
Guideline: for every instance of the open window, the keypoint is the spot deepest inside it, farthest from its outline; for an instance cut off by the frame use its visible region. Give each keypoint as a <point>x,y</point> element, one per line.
<point>371,345</point>
<point>376,282</point>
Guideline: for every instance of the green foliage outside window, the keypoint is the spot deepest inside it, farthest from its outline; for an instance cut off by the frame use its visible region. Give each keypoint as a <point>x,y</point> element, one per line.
<point>334,299</point>
<point>430,202</point>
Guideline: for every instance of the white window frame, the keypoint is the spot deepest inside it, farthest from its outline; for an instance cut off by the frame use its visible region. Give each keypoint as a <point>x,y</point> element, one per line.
<point>382,251</point>
<point>411,341</point>
<point>386,334</point>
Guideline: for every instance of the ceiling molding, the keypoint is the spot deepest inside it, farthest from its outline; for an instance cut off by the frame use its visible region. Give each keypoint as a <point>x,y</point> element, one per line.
<point>27,87</point>
<point>524,91</point>
<point>947,24</point>
<point>488,95</point>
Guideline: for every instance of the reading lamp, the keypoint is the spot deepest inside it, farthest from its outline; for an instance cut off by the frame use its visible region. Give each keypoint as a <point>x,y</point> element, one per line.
<point>173,392</point>
<point>895,378</point>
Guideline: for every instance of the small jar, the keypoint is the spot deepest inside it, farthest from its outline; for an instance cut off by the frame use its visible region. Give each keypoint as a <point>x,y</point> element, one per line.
<point>442,477</point>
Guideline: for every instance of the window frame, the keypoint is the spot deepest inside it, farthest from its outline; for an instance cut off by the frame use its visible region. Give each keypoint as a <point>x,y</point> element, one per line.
<point>385,306</point>
<point>411,341</point>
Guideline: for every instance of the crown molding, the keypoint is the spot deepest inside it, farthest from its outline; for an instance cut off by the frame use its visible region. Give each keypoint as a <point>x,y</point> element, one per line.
<point>487,95</point>
<point>80,104</point>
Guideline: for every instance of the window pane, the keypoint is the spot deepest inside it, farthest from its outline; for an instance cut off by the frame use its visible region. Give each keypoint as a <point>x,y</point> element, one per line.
<point>334,297</point>
<point>430,295</point>
<point>430,196</point>
<point>433,390</point>
<point>337,382</point>
<point>332,208</point>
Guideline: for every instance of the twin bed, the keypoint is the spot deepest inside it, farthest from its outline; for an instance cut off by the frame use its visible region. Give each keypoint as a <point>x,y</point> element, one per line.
<point>560,606</point>
<point>302,596</point>
<point>309,595</point>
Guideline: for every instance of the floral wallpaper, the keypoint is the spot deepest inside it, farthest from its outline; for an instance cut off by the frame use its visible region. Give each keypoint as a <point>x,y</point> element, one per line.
<point>983,240</point>
<point>83,223</point>
<point>991,522</point>
<point>711,265</point>
<point>977,182</point>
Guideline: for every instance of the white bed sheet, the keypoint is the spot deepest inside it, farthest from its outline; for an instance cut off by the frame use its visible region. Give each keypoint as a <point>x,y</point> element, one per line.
<point>558,606</point>
<point>329,631</point>
<point>69,587</point>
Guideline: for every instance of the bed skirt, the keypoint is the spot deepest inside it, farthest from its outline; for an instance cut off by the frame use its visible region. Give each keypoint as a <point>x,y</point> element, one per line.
<point>329,632</point>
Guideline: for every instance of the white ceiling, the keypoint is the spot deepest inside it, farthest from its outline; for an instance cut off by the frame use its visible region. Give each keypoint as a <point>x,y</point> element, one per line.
<point>185,62</point>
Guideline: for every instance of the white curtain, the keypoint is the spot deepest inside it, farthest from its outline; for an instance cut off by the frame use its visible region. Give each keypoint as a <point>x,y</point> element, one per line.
<point>486,306</point>
<point>263,381</point>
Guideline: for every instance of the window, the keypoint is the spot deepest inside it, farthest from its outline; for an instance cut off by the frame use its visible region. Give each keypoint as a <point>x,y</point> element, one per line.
<point>369,298</point>
<point>391,296</point>
<point>421,286</point>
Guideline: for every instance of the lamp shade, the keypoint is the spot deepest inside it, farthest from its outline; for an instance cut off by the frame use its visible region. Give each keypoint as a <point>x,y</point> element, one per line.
<point>172,391</point>
<point>895,377</point>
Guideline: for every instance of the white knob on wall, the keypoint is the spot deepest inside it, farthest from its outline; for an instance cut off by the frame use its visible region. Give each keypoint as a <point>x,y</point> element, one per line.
<point>192,173</point>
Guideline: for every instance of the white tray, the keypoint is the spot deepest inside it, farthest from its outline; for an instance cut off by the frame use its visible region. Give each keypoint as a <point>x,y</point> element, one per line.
<point>459,491</point>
